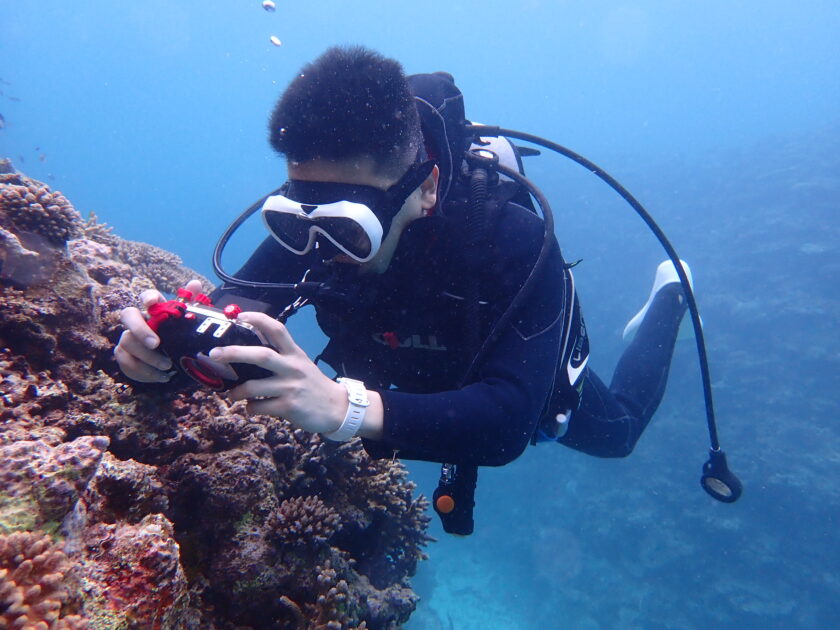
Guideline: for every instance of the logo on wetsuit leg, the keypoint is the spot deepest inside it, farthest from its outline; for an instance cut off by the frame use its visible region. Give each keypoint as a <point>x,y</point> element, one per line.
<point>580,355</point>
<point>418,342</point>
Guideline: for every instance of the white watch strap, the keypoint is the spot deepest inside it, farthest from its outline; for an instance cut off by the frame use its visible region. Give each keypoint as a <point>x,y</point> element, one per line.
<point>358,402</point>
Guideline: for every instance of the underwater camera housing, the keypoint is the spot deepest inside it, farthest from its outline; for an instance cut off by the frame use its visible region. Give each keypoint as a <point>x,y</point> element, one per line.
<point>189,327</point>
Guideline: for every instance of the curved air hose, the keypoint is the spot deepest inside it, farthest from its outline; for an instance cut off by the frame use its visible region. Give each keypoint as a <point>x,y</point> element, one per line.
<point>222,243</point>
<point>483,130</point>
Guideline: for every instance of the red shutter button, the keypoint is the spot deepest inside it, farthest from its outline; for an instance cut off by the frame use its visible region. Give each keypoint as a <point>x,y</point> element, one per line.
<point>203,299</point>
<point>232,311</point>
<point>184,295</point>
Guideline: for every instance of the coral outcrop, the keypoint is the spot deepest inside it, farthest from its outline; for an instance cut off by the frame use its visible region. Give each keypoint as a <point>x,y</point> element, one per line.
<point>30,206</point>
<point>167,510</point>
<point>304,521</point>
<point>32,591</point>
<point>41,483</point>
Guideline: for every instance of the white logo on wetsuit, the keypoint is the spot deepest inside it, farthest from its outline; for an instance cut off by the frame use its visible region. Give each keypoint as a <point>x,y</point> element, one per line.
<point>418,342</point>
<point>580,355</point>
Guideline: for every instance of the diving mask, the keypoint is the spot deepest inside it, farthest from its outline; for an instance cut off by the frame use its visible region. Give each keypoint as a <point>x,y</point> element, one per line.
<point>354,218</point>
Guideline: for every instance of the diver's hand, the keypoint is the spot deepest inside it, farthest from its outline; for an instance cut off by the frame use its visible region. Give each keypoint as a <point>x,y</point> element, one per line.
<point>136,352</point>
<point>298,390</point>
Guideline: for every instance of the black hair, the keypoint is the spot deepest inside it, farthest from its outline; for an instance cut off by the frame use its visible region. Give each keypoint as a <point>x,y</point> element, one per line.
<point>350,102</point>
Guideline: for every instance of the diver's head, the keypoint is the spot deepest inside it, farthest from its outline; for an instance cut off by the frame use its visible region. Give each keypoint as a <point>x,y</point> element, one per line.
<point>351,103</point>
<point>350,118</point>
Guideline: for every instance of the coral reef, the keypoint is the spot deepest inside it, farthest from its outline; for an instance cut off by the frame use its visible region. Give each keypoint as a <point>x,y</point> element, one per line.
<point>32,584</point>
<point>107,256</point>
<point>131,574</point>
<point>304,521</point>
<point>35,219</point>
<point>166,509</point>
<point>27,205</point>
<point>41,483</point>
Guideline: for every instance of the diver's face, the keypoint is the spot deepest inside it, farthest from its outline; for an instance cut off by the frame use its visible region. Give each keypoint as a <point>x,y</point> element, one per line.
<point>362,172</point>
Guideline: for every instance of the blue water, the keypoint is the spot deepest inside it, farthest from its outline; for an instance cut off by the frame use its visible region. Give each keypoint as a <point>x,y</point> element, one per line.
<point>723,118</point>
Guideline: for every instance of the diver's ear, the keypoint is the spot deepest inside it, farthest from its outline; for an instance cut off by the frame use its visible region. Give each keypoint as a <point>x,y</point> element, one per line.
<point>428,189</point>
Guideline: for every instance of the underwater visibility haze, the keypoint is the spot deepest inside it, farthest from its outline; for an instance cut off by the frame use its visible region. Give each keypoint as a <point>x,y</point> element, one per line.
<point>722,118</point>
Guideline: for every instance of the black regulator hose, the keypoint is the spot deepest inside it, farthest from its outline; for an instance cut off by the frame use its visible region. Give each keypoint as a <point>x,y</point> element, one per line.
<point>222,243</point>
<point>717,479</point>
<point>454,498</point>
<point>476,227</point>
<point>531,280</point>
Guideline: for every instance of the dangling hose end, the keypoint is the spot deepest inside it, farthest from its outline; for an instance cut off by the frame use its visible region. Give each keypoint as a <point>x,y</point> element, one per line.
<point>718,480</point>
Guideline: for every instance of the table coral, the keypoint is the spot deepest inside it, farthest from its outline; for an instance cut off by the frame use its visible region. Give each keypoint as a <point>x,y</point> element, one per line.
<point>174,509</point>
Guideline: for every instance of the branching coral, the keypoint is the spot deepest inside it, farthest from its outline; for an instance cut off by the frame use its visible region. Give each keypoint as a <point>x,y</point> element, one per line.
<point>93,230</point>
<point>108,257</point>
<point>165,269</point>
<point>304,521</point>
<point>333,610</point>
<point>30,206</point>
<point>32,590</point>
<point>384,524</point>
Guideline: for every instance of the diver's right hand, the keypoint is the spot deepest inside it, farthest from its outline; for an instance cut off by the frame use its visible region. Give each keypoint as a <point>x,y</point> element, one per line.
<point>136,352</point>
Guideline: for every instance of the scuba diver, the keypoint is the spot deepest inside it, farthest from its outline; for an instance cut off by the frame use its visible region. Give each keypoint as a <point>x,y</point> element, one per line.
<point>454,327</point>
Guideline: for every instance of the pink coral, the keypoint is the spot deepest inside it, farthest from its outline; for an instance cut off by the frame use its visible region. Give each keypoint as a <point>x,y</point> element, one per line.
<point>32,589</point>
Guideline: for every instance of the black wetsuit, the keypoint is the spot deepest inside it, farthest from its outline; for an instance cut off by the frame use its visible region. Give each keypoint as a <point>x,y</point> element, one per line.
<point>403,333</point>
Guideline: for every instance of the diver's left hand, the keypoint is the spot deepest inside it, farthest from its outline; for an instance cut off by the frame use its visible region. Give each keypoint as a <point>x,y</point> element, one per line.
<point>298,390</point>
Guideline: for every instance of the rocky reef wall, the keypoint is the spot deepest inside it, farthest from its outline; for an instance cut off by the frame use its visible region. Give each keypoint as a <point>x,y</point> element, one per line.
<point>127,507</point>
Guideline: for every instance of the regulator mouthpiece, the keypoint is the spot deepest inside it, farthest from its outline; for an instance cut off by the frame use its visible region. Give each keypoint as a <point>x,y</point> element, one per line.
<point>718,480</point>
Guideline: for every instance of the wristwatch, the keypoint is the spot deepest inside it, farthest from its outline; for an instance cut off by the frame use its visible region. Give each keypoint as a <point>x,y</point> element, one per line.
<point>357,406</point>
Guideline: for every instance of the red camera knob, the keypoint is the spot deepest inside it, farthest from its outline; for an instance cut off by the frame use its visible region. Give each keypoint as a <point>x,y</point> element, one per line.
<point>232,311</point>
<point>184,295</point>
<point>203,299</point>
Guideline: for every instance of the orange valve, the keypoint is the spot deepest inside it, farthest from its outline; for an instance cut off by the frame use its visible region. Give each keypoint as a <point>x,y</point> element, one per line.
<point>445,504</point>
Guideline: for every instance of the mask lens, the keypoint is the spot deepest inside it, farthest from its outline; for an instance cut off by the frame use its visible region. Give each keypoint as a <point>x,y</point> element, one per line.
<point>348,235</point>
<point>291,229</point>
